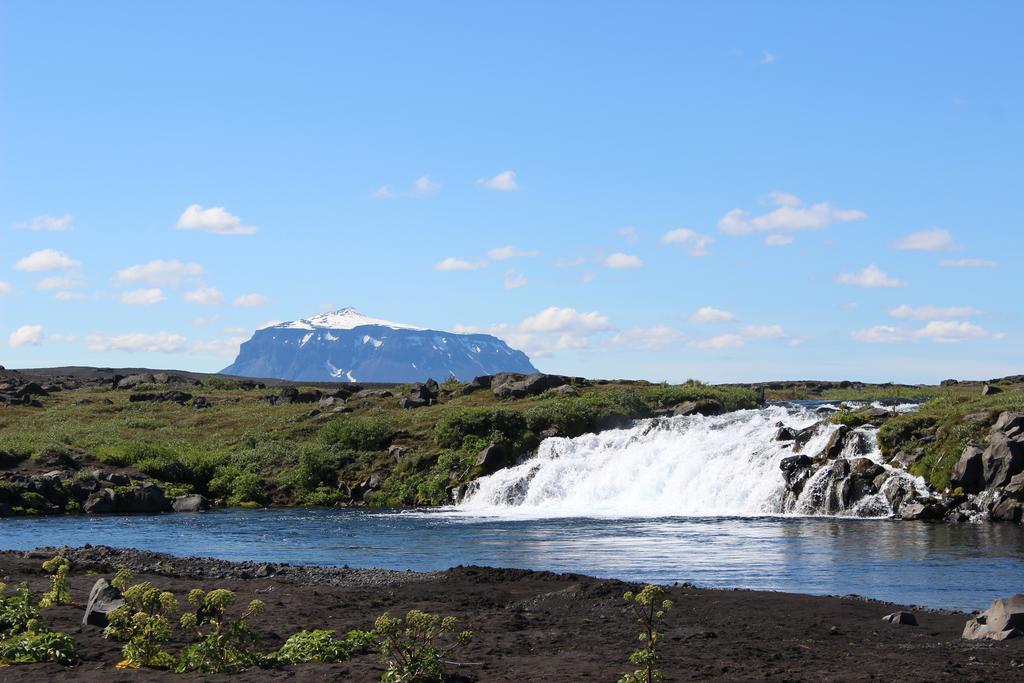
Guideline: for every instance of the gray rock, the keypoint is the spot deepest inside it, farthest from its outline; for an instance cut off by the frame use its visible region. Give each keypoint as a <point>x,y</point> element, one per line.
<point>921,510</point>
<point>190,503</point>
<point>901,618</point>
<point>101,502</point>
<point>132,381</point>
<point>1010,424</point>
<point>410,402</point>
<point>373,393</point>
<point>397,453</point>
<point>103,599</point>
<point>492,458</point>
<point>784,433</point>
<point>1001,461</point>
<point>967,472</point>
<point>505,385</point>
<point>1003,620</point>
<point>1008,510</point>
<point>989,390</point>
<point>148,498</point>
<point>566,390</point>
<point>1016,485</point>
<point>331,402</point>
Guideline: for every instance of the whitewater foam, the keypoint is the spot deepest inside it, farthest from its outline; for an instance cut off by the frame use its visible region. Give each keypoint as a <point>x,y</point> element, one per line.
<point>725,465</point>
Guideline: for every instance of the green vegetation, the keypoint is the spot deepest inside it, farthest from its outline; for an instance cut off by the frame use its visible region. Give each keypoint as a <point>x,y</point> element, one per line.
<point>143,623</point>
<point>23,638</point>
<point>59,594</point>
<point>223,644</point>
<point>415,649</point>
<point>649,606</point>
<point>323,646</point>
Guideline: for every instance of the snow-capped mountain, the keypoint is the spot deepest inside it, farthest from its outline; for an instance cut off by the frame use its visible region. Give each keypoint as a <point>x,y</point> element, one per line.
<point>347,346</point>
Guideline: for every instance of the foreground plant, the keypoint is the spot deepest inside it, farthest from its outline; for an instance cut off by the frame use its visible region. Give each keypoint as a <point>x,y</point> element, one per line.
<point>415,649</point>
<point>59,566</point>
<point>143,623</point>
<point>324,646</point>
<point>223,644</point>
<point>23,638</point>
<point>650,607</point>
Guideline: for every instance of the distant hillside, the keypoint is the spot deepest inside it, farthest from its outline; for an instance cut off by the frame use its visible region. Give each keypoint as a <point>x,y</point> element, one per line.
<point>348,346</point>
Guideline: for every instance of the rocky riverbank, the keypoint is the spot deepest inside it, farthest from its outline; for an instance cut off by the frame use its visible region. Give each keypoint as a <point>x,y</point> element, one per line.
<point>534,625</point>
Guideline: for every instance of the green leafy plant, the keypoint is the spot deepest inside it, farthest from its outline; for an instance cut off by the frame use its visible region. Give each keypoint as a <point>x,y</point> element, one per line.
<point>23,638</point>
<point>324,646</point>
<point>142,623</point>
<point>58,566</point>
<point>415,648</point>
<point>223,644</point>
<point>649,606</point>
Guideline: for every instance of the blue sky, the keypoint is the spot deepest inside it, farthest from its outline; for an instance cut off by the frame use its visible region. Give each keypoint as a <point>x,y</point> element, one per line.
<point>728,191</point>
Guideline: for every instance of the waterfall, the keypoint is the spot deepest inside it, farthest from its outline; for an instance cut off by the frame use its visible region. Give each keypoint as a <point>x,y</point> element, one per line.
<point>726,465</point>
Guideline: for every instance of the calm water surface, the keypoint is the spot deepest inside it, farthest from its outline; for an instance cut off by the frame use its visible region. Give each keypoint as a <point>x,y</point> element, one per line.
<point>935,565</point>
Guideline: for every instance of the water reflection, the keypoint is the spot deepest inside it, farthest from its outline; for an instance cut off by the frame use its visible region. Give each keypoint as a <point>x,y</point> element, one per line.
<point>937,565</point>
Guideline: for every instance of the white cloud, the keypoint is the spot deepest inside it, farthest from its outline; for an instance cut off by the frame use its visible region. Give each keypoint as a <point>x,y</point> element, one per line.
<point>695,243</point>
<point>569,262</point>
<point>47,222</point>
<point>763,331</point>
<point>159,273</point>
<point>216,220</point>
<point>421,187</point>
<point>932,312</point>
<point>509,252</point>
<point>453,264</point>
<point>648,338</point>
<point>950,331</point>
<point>849,305</point>
<point>61,338</point>
<point>503,182</point>
<point>5,288</point>
<point>514,279</point>
<point>156,342</point>
<point>767,57</point>
<point>879,334</point>
<point>205,296</point>
<point>722,341</point>
<point>424,186</point>
<point>789,215</point>
<point>60,282</point>
<point>926,240</point>
<point>553,329</point>
<point>253,300</point>
<point>68,296</point>
<point>227,348</point>
<point>778,240</point>
<point>707,314</point>
<point>269,323</point>
<point>968,263</point>
<point>26,335</point>
<point>870,277</point>
<point>205,320</point>
<point>629,233</point>
<point>620,261</point>
<point>46,259</point>
<point>235,331</point>
<point>142,297</point>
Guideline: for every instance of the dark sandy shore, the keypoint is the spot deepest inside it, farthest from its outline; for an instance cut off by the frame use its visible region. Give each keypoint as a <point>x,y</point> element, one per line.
<point>538,626</point>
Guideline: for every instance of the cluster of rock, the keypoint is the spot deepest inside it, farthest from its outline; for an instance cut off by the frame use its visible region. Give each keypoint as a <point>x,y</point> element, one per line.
<point>16,391</point>
<point>516,385</point>
<point>71,488</point>
<point>420,394</point>
<point>991,476</point>
<point>844,477</point>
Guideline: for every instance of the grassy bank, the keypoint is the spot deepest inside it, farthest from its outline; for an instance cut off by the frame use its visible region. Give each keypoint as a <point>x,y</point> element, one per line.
<point>246,451</point>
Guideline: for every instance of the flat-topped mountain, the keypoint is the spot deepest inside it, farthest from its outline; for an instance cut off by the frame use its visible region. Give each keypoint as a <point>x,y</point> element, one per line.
<point>347,346</point>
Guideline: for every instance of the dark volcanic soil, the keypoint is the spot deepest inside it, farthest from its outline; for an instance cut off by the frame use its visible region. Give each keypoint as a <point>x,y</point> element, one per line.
<point>536,626</point>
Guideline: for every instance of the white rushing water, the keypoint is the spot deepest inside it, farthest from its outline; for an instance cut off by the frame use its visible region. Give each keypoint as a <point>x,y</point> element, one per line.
<point>726,465</point>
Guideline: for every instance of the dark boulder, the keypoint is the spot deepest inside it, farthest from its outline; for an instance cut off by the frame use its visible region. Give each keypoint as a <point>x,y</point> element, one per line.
<point>132,381</point>
<point>493,458</point>
<point>201,402</point>
<point>103,599</point>
<point>784,433</point>
<point>509,385</point>
<point>1002,459</point>
<point>1010,424</point>
<point>922,510</point>
<point>803,436</point>
<point>1008,510</point>
<point>173,396</point>
<point>146,498</point>
<point>989,390</point>
<point>967,472</point>
<point>901,618</point>
<point>101,502</point>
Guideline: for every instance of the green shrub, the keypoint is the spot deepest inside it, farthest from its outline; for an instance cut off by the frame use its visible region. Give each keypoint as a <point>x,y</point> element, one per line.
<point>415,649</point>
<point>222,644</point>
<point>324,497</point>
<point>649,606</point>
<point>29,647</point>
<point>371,433</point>
<point>248,487</point>
<point>17,612</point>
<point>58,567</point>
<point>490,424</point>
<point>34,501</point>
<point>142,624</point>
<point>313,646</point>
<point>849,418</point>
